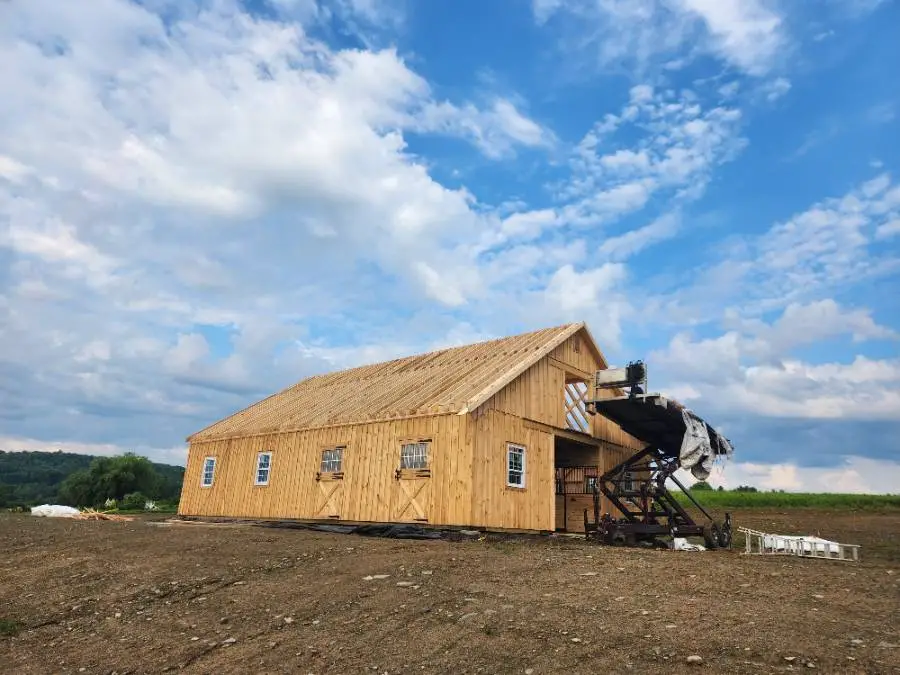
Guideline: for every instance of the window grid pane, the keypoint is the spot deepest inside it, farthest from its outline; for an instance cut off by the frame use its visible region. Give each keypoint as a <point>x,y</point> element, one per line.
<point>263,465</point>
<point>331,460</point>
<point>208,469</point>
<point>515,465</point>
<point>414,455</point>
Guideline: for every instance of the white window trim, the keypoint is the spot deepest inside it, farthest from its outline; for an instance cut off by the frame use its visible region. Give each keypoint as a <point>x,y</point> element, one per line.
<point>509,448</point>
<point>259,456</point>
<point>212,478</point>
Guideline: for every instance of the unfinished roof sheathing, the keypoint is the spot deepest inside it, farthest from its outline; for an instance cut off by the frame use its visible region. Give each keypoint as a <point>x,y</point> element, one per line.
<point>450,380</point>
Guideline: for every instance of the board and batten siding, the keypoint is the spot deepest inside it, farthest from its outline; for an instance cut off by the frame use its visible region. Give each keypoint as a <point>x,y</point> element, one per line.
<point>369,490</point>
<point>497,505</point>
<point>538,393</point>
<point>467,487</point>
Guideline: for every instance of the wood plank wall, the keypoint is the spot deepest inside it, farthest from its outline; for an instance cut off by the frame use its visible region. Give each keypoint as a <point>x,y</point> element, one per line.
<point>536,395</point>
<point>370,492</point>
<point>494,504</point>
<point>576,353</point>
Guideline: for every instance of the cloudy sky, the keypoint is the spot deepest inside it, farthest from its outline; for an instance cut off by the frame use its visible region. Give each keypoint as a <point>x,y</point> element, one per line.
<point>203,202</point>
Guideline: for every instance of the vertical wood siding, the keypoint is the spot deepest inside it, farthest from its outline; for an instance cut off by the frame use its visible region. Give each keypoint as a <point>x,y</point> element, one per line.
<point>494,504</point>
<point>369,491</point>
<point>536,395</point>
<point>576,353</point>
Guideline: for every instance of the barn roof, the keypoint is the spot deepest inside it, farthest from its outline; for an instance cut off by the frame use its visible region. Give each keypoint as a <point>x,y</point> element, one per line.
<point>453,380</point>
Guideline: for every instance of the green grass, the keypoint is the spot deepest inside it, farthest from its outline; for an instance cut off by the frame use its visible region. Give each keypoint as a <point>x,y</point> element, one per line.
<point>9,627</point>
<point>792,500</point>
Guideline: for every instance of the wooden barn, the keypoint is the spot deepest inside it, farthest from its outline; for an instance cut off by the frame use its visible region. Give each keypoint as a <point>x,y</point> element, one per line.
<point>492,435</point>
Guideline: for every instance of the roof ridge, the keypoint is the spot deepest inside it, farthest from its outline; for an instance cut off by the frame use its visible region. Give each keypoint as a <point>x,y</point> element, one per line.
<point>441,350</point>
<point>528,346</point>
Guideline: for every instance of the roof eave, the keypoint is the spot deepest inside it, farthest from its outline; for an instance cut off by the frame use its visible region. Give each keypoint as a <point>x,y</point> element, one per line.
<point>485,394</point>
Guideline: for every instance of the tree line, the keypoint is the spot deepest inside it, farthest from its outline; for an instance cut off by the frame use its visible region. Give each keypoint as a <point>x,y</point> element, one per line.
<point>35,477</point>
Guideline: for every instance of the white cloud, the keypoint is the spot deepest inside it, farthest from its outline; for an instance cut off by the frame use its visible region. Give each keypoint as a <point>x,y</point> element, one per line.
<point>777,88</point>
<point>746,34</point>
<point>854,474</point>
<point>529,224</point>
<point>594,294</point>
<point>888,229</point>
<point>625,245</point>
<point>282,193</point>
<point>801,324</point>
<point>673,146</point>
<point>807,257</point>
<point>751,370</point>
<point>12,170</point>
<point>497,130</point>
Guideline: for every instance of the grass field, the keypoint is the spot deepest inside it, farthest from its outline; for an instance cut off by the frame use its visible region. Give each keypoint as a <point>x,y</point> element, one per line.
<point>729,499</point>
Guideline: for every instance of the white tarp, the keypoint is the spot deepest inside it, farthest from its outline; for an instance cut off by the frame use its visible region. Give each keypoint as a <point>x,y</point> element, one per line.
<point>54,511</point>
<point>682,544</point>
<point>799,545</point>
<point>696,449</point>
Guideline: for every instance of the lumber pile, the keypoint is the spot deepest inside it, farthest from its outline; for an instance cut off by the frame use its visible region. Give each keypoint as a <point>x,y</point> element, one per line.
<point>93,514</point>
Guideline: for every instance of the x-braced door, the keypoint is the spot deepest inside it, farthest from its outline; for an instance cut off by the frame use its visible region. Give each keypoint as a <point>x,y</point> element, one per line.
<point>330,481</point>
<point>412,495</point>
<point>330,498</point>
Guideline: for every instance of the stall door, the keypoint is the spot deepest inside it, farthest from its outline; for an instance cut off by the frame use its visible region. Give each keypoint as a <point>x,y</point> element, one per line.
<point>330,480</point>
<point>412,492</point>
<point>330,498</point>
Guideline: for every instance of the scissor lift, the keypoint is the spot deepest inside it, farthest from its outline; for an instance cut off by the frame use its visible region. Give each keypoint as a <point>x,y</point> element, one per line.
<point>637,487</point>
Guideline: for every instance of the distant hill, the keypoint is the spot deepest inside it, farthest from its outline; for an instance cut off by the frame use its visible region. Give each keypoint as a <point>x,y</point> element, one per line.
<point>30,478</point>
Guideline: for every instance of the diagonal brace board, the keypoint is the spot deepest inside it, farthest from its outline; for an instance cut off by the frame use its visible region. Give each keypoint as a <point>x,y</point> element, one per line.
<point>327,497</point>
<point>575,406</point>
<point>411,499</point>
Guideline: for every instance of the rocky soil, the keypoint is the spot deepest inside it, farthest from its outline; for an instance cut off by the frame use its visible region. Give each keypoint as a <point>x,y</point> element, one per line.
<point>152,597</point>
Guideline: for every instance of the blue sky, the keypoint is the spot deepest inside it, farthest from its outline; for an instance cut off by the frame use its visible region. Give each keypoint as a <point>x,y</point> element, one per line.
<point>201,203</point>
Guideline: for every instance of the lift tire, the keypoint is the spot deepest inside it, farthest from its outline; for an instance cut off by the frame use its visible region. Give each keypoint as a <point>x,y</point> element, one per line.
<point>725,537</point>
<point>711,536</point>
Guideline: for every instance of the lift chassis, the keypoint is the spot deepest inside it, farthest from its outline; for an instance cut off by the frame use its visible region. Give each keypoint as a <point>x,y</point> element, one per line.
<point>637,488</point>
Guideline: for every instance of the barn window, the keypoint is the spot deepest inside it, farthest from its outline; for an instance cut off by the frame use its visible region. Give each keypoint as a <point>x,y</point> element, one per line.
<point>263,468</point>
<point>209,468</point>
<point>332,460</point>
<point>414,455</point>
<point>515,463</point>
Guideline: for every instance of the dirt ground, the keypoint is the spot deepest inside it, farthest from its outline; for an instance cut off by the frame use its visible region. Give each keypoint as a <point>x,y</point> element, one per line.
<point>147,597</point>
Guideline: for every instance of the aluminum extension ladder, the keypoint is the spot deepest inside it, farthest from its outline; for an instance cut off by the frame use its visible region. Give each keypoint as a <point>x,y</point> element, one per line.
<point>763,543</point>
